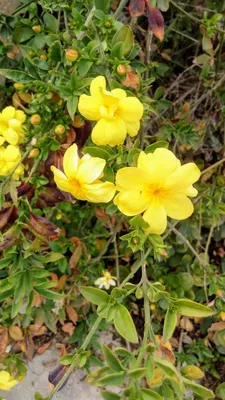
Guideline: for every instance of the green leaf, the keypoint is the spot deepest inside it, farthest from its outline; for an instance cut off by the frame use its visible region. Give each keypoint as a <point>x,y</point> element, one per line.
<point>22,34</point>
<point>16,76</point>
<point>169,324</point>
<point>95,296</point>
<point>51,22</point>
<point>102,5</point>
<point>198,389</point>
<point>190,308</point>
<point>55,53</point>
<point>167,367</point>
<point>124,35</point>
<point>148,394</point>
<point>138,221</point>
<point>110,395</point>
<point>112,380</point>
<point>52,257</point>
<point>67,360</point>
<point>49,294</point>
<point>149,365</point>
<point>137,373</point>
<point>160,144</point>
<point>83,67</point>
<point>124,324</point>
<point>112,361</point>
<point>38,396</point>
<point>96,152</point>
<point>6,294</point>
<point>72,106</point>
<point>163,5</point>
<point>220,391</point>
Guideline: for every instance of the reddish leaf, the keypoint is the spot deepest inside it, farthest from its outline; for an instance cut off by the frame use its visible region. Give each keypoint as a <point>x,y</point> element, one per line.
<point>132,81</point>
<point>5,215</point>
<point>56,375</point>
<point>156,21</point>
<point>29,347</point>
<point>72,314</point>
<point>44,347</point>
<point>68,328</point>
<point>136,8</point>
<point>4,338</point>
<point>42,225</point>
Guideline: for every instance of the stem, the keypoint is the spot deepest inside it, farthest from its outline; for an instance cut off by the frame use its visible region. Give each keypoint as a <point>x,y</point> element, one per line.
<point>21,7</point>
<point>206,256</point>
<point>117,261</point>
<point>120,8</point>
<point>87,22</point>
<point>213,166</point>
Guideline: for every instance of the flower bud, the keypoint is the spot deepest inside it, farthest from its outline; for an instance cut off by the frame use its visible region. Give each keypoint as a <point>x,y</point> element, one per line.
<point>43,57</point>
<point>222,315</point>
<point>121,69</point>
<point>35,119</point>
<point>219,293</point>
<point>18,86</point>
<point>59,130</point>
<point>33,153</point>
<point>77,122</point>
<point>72,55</point>
<point>152,307</point>
<point>108,24</point>
<point>36,28</point>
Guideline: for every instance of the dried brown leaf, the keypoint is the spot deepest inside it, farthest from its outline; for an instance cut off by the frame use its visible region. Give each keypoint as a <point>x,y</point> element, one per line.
<point>217,326</point>
<point>72,314</point>
<point>132,81</point>
<point>136,8</point>
<point>44,347</point>
<point>4,339</point>
<point>156,21</point>
<point>16,333</point>
<point>68,328</point>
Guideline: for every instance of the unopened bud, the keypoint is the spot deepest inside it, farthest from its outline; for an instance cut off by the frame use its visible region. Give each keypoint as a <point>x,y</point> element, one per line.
<point>59,216</point>
<point>59,130</point>
<point>77,122</point>
<point>121,69</point>
<point>219,293</point>
<point>72,55</point>
<point>36,28</point>
<point>35,119</point>
<point>152,307</point>
<point>34,153</point>
<point>222,315</point>
<point>108,24</point>
<point>18,86</point>
<point>43,57</point>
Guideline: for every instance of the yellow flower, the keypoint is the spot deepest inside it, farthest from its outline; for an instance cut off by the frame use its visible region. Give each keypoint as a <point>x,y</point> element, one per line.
<point>82,177</point>
<point>7,381</point>
<point>9,158</point>
<point>106,281</point>
<point>159,187</point>
<point>11,128</point>
<point>117,114</point>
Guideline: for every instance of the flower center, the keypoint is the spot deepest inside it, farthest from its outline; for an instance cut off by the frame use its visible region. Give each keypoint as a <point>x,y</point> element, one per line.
<point>77,187</point>
<point>108,111</point>
<point>156,192</point>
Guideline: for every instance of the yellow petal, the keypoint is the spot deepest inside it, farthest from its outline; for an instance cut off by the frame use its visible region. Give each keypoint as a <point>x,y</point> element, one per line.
<point>144,161</point>
<point>108,99</point>
<point>11,153</point>
<point>2,140</point>
<point>133,128</point>
<point>70,161</point>
<point>178,206</point>
<point>90,170</point>
<point>61,180</point>
<point>155,216</point>
<point>97,85</point>
<point>15,124</point>
<point>99,192</point>
<point>11,136</point>
<point>4,376</point>
<point>8,113</point>
<point>89,107</point>
<point>162,163</point>
<point>190,191</point>
<point>129,178</point>
<point>3,127</point>
<point>111,132</point>
<point>119,93</point>
<point>183,177</point>
<point>131,202</point>
<point>130,109</point>
<point>20,115</point>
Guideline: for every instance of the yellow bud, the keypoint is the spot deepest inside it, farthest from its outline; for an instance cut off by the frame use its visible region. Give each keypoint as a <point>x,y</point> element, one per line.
<point>77,122</point>
<point>192,372</point>
<point>20,378</point>
<point>219,293</point>
<point>59,216</point>
<point>43,57</point>
<point>34,153</point>
<point>36,28</point>
<point>31,53</point>
<point>35,119</point>
<point>222,315</point>
<point>18,86</point>
<point>152,307</point>
<point>72,55</point>
<point>59,130</point>
<point>107,24</point>
<point>121,69</point>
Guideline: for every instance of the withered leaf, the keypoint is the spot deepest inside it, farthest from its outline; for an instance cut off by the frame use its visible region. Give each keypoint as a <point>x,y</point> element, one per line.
<point>44,347</point>
<point>132,81</point>
<point>16,333</point>
<point>29,346</point>
<point>68,328</point>
<point>56,375</point>
<point>5,215</point>
<point>156,21</point>
<point>72,314</point>
<point>4,339</point>
<point>217,326</point>
<point>42,225</point>
<point>75,257</point>
<point>136,8</point>
<point>37,330</point>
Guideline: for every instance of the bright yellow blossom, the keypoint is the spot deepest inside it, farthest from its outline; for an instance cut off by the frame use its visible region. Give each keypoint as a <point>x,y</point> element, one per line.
<point>82,177</point>
<point>117,114</point>
<point>9,158</point>
<point>7,381</point>
<point>106,280</point>
<point>157,187</point>
<point>11,128</point>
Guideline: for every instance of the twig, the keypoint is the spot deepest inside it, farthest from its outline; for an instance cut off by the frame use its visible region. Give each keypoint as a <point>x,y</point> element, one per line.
<point>117,261</point>
<point>120,8</point>
<point>180,347</point>
<point>209,92</point>
<point>206,257</point>
<point>66,21</point>
<point>213,166</point>
<point>87,22</point>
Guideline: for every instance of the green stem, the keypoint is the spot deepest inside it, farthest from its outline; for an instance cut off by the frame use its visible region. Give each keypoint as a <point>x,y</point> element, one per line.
<point>22,7</point>
<point>213,166</point>
<point>120,8</point>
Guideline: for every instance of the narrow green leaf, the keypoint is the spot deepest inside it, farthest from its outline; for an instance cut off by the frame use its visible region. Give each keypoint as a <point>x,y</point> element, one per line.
<point>137,373</point>
<point>112,380</point>
<point>112,361</point>
<point>169,324</point>
<point>149,365</point>
<point>72,106</point>
<point>148,394</point>
<point>124,324</point>
<point>102,5</point>
<point>51,22</point>
<point>110,395</point>
<point>16,76</point>
<point>199,390</point>
<point>49,294</point>
<point>190,308</point>
<point>160,144</point>
<point>95,296</point>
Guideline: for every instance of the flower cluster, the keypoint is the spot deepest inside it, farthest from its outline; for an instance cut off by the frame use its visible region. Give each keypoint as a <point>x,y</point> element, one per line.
<point>7,381</point>
<point>11,131</point>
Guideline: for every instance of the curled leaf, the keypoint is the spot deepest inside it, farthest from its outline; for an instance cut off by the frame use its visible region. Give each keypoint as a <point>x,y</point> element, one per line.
<point>156,21</point>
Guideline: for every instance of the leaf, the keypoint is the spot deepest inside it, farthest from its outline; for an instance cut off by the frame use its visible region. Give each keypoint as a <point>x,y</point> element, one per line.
<point>110,395</point>
<point>96,152</point>
<point>163,4</point>
<point>15,333</point>
<point>72,106</point>
<point>16,76</point>
<point>49,294</point>
<point>4,338</point>
<point>190,308</point>
<point>199,390</point>
<point>44,347</point>
<point>112,379</point>
<point>149,365</point>
<point>169,324</point>
<point>56,375</point>
<point>51,22</point>
<point>167,367</point>
<point>148,394</point>
<point>112,361</point>
<point>102,5</point>
<point>124,324</point>
<point>137,373</point>
<point>68,328</point>
<point>156,21</point>
<point>192,372</point>
<point>152,147</point>
<point>220,391</point>
<point>72,314</point>
<point>124,35</point>
<point>136,8</point>
<point>95,296</point>
<point>38,396</point>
